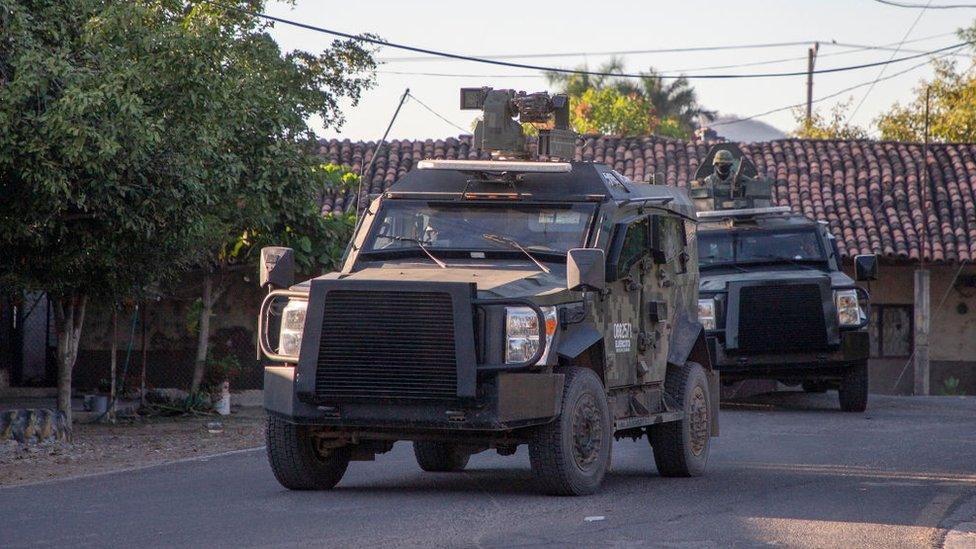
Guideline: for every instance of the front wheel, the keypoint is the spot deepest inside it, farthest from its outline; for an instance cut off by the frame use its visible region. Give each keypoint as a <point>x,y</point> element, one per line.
<point>681,447</point>
<point>853,390</point>
<point>299,461</point>
<point>570,455</point>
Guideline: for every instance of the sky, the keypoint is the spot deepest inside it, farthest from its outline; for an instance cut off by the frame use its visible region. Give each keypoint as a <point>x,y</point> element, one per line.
<point>506,28</point>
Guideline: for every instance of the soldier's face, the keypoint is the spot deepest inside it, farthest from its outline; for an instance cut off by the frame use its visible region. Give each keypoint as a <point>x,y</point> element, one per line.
<point>723,169</point>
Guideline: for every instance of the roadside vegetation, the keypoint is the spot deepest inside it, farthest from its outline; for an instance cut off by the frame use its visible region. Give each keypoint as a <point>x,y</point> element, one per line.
<point>141,141</point>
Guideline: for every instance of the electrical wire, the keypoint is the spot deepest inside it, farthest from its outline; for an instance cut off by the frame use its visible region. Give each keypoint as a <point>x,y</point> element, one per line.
<point>884,68</point>
<point>437,114</point>
<point>855,49</point>
<point>830,96</point>
<point>921,7</point>
<point>376,41</point>
<point>613,52</point>
<point>825,43</point>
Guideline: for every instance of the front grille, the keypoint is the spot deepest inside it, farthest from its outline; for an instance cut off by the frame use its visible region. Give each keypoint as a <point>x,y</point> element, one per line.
<point>387,344</point>
<point>788,317</point>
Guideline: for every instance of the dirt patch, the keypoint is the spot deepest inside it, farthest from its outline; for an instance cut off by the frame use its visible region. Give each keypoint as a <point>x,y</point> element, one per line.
<point>96,448</point>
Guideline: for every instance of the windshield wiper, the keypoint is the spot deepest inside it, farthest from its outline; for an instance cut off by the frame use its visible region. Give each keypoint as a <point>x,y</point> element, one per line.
<point>419,243</point>
<point>514,243</point>
<point>791,261</point>
<point>720,264</point>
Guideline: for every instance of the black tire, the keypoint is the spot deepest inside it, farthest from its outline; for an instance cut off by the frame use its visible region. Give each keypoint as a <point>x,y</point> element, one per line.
<point>439,457</point>
<point>814,387</point>
<point>681,447</point>
<point>853,390</point>
<point>570,455</point>
<point>296,462</point>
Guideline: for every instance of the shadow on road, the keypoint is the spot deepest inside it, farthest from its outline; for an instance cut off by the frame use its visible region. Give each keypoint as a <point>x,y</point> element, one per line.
<point>787,400</point>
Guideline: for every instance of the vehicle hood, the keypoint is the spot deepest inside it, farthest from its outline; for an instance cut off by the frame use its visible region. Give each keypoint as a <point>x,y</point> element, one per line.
<point>492,281</point>
<point>719,282</point>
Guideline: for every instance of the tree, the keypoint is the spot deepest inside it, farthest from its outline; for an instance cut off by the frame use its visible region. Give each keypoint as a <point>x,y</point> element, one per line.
<point>952,109</point>
<point>124,128</point>
<point>951,104</point>
<point>834,125</point>
<point>288,214</point>
<point>624,106</point>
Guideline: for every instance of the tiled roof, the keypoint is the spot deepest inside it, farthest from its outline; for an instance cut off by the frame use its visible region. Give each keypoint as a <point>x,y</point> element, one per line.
<point>868,191</point>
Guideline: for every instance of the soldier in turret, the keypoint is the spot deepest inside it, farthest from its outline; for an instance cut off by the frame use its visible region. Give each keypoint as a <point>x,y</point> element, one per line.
<point>730,185</point>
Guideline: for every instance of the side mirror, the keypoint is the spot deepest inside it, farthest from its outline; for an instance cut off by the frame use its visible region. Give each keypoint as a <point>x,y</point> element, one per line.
<point>586,269</point>
<point>865,267</point>
<point>277,267</point>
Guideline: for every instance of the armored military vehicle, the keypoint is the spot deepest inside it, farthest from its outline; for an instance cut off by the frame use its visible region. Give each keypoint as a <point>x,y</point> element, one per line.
<point>491,304</point>
<point>773,299</point>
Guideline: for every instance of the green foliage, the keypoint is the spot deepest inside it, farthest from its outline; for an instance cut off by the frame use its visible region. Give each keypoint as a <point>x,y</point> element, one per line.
<point>140,138</point>
<point>608,111</point>
<point>950,387</point>
<point>834,125</point>
<point>192,316</point>
<point>625,106</point>
<point>952,109</point>
<point>219,370</point>
<point>319,240</point>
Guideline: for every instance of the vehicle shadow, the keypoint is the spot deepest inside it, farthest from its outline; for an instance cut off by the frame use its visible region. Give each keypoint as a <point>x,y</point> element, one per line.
<point>797,401</point>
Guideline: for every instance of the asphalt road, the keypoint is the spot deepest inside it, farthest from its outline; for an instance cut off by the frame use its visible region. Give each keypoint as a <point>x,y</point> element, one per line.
<point>797,473</point>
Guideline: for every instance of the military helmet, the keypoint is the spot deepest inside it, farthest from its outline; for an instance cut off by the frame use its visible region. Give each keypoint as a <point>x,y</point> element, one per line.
<point>723,157</point>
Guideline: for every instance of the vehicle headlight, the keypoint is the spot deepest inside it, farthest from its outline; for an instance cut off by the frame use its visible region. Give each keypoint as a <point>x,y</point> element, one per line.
<point>706,313</point>
<point>848,310</point>
<point>522,332</point>
<point>292,326</point>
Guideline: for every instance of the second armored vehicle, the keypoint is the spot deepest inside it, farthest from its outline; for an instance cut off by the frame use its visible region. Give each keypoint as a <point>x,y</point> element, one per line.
<point>491,304</point>
<point>774,300</point>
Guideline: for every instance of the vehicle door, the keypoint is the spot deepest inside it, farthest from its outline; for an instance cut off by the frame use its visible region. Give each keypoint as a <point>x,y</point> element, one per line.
<point>628,260</point>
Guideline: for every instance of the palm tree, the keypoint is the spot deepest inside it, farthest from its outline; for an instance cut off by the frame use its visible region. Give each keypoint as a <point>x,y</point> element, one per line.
<point>669,99</point>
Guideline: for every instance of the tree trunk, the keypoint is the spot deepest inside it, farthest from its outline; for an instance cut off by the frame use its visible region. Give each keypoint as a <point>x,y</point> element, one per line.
<point>114,363</point>
<point>69,317</point>
<point>210,296</point>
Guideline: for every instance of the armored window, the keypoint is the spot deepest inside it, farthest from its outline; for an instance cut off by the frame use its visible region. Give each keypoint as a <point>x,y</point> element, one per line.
<point>672,240</point>
<point>635,246</point>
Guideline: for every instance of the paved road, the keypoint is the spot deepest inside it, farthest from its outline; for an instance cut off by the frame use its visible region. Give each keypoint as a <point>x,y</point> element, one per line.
<point>793,473</point>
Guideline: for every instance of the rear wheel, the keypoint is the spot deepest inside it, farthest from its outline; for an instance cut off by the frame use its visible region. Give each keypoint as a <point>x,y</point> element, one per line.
<point>439,457</point>
<point>298,459</point>
<point>681,447</point>
<point>570,455</point>
<point>853,391</point>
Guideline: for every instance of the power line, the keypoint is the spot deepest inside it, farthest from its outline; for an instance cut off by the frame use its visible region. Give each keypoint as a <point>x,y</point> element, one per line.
<point>614,52</point>
<point>376,41</point>
<point>716,67</point>
<point>924,7</point>
<point>885,67</point>
<point>551,55</point>
<point>826,97</point>
<point>435,113</point>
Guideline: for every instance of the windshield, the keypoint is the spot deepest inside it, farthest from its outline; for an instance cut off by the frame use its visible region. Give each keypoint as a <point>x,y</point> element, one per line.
<point>757,246</point>
<point>405,225</point>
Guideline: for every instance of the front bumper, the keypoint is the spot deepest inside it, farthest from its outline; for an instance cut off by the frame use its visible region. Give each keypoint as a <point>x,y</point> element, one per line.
<point>508,401</point>
<point>854,347</point>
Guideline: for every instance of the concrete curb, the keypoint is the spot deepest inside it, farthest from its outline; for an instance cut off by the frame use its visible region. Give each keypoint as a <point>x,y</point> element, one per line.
<point>961,536</point>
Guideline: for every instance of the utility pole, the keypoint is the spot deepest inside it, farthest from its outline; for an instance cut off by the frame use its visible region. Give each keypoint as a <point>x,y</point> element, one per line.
<point>922,280</point>
<point>811,61</point>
